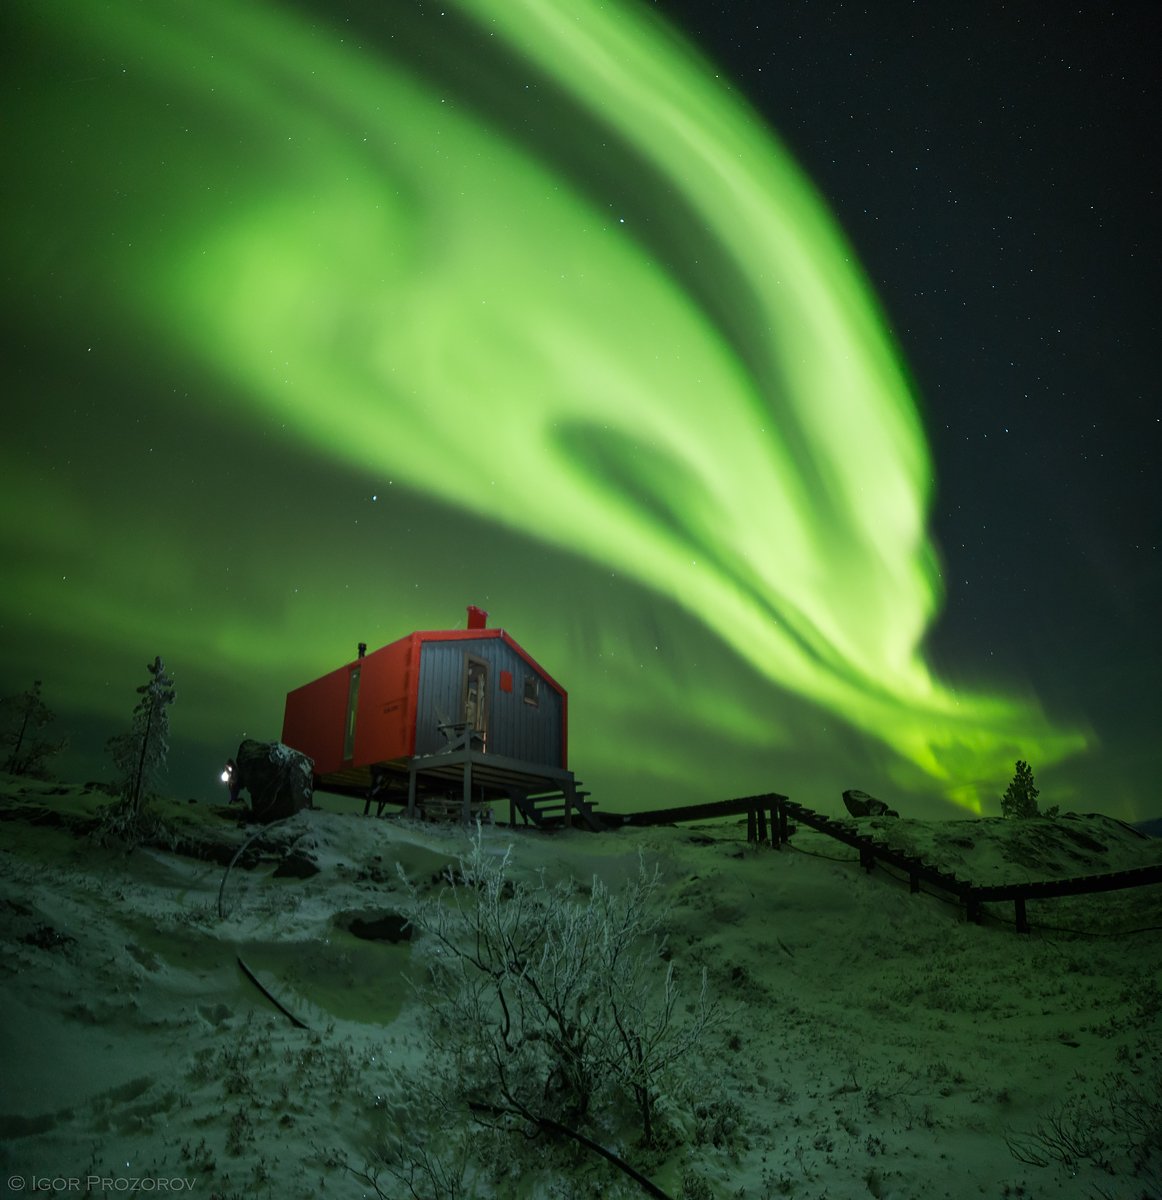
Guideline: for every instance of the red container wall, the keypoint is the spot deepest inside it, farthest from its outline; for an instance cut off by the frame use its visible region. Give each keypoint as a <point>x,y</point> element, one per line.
<point>314,719</point>
<point>385,725</point>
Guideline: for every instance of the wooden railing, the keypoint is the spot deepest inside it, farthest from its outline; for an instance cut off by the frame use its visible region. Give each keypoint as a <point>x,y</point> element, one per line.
<point>1078,886</point>
<point>971,895</point>
<point>760,814</point>
<point>769,818</point>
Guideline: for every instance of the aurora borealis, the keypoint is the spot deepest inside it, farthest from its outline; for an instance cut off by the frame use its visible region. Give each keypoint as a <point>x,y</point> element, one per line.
<point>334,319</point>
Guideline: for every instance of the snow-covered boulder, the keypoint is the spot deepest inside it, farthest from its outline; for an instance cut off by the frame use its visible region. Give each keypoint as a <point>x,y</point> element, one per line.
<point>860,804</point>
<point>280,780</point>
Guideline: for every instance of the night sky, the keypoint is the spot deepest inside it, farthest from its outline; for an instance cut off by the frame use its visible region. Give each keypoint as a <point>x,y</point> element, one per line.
<point>780,376</point>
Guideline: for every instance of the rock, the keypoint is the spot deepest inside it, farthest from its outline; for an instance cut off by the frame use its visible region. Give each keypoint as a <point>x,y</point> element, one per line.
<point>44,937</point>
<point>280,780</point>
<point>379,927</point>
<point>297,865</point>
<point>860,804</point>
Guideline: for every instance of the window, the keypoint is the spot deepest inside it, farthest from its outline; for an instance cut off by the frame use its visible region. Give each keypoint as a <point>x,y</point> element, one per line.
<point>532,690</point>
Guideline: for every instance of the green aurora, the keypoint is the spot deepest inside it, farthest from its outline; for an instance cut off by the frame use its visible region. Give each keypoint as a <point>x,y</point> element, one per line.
<point>530,270</point>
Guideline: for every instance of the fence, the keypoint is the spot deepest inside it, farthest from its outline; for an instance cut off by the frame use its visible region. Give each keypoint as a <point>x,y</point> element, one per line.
<point>774,812</point>
<point>761,812</point>
<point>971,895</point>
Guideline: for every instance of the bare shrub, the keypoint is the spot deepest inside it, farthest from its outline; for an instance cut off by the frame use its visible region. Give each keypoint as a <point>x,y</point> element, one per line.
<point>1116,1128</point>
<point>552,1011</point>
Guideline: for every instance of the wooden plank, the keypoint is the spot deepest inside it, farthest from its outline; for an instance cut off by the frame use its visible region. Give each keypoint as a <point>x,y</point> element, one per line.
<point>269,994</point>
<point>743,805</point>
<point>1076,886</point>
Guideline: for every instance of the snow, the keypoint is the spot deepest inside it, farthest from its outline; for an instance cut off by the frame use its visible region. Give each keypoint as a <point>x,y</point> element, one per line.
<point>874,1042</point>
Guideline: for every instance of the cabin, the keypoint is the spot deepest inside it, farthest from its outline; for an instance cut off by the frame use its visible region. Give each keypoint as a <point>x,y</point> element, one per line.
<point>464,714</point>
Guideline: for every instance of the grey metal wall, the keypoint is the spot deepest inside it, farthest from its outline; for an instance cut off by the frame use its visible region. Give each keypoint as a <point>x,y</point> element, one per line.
<point>529,732</point>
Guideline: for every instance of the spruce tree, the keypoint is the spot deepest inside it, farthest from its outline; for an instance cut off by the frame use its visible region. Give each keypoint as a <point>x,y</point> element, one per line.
<point>24,718</point>
<point>1020,798</point>
<point>140,755</point>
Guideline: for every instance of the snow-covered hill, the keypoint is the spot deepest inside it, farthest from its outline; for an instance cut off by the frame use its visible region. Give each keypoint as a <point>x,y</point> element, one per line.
<point>874,1042</point>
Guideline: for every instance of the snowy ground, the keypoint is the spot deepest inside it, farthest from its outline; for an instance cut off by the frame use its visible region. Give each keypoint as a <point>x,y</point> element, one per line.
<point>874,1042</point>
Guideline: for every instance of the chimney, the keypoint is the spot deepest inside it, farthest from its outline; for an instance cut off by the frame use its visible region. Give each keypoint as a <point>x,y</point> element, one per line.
<point>477,617</point>
<point>362,649</point>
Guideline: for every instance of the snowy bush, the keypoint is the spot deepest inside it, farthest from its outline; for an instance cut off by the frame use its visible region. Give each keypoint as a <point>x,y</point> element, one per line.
<point>1115,1127</point>
<point>553,1013</point>
<point>719,1121</point>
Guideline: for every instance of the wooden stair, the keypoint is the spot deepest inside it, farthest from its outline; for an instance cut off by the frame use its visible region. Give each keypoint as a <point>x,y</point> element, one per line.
<point>547,809</point>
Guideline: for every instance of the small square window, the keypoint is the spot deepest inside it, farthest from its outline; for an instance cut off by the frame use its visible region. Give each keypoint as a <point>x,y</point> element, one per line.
<point>532,689</point>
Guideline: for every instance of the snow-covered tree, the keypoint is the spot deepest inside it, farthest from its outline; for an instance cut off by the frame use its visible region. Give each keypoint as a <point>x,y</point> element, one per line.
<point>23,720</point>
<point>1020,798</point>
<point>552,1013</point>
<point>140,755</point>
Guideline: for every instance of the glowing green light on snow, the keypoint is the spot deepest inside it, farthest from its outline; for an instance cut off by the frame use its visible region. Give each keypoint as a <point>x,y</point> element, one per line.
<point>641,338</point>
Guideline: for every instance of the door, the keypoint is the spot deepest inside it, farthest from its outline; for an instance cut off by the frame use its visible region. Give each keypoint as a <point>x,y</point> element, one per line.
<point>476,699</point>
